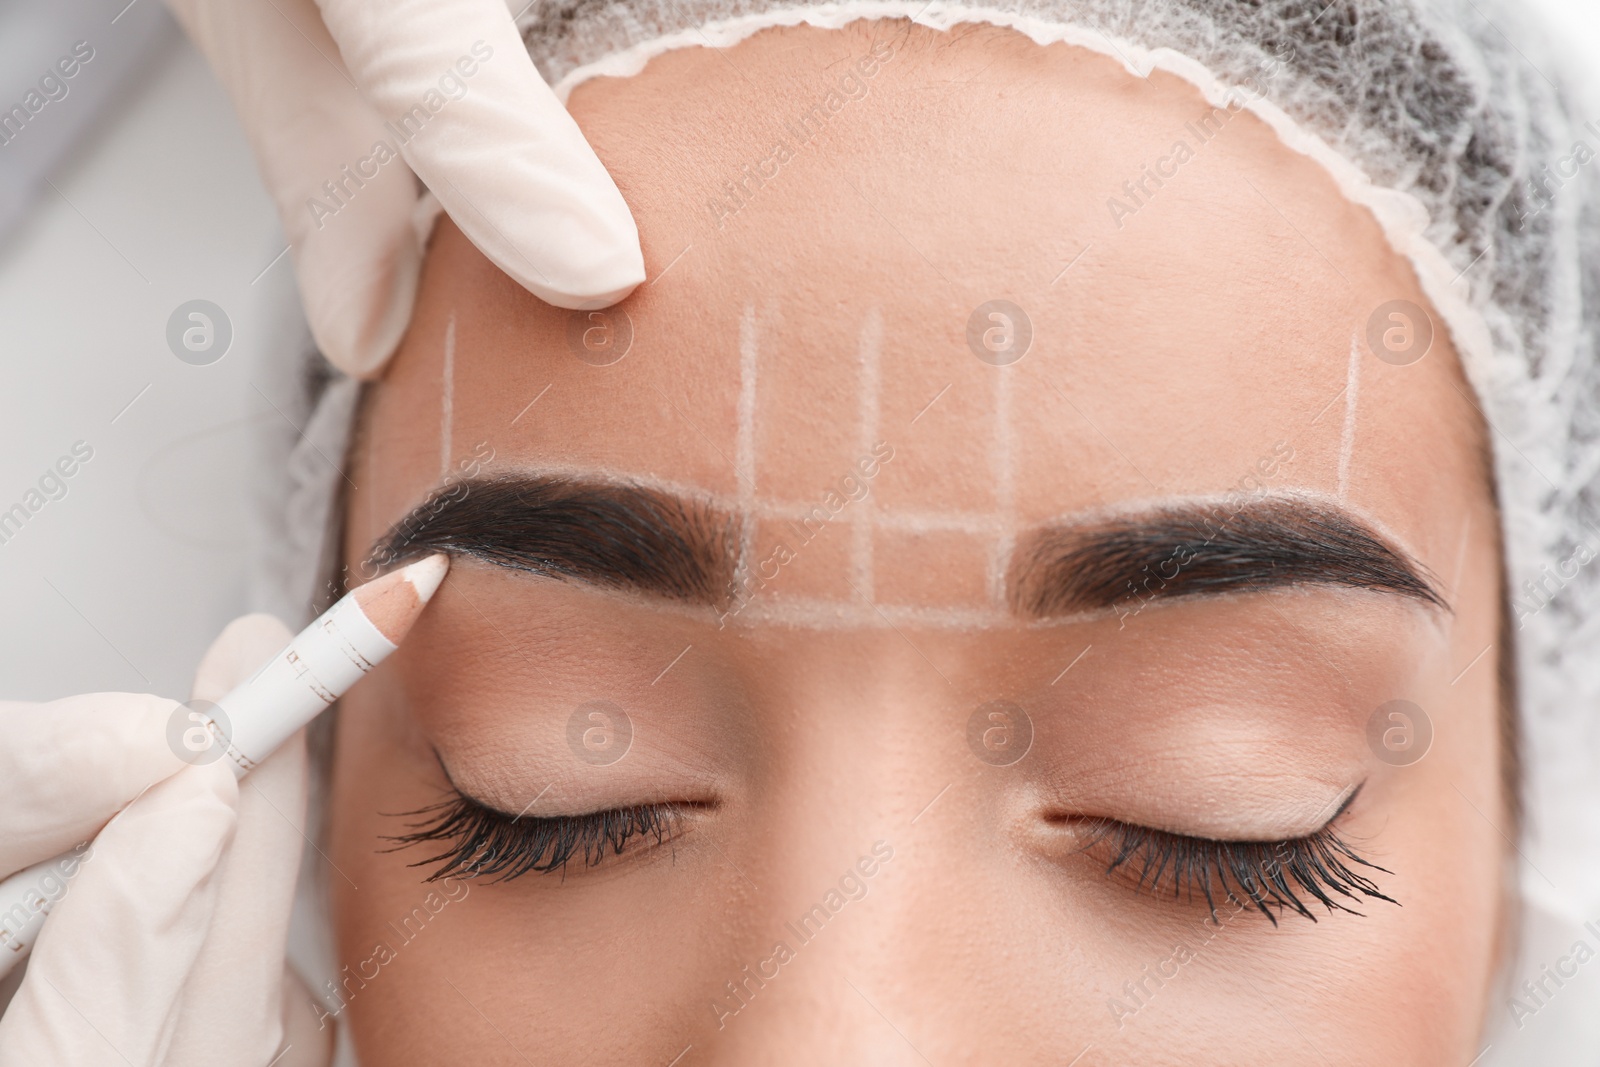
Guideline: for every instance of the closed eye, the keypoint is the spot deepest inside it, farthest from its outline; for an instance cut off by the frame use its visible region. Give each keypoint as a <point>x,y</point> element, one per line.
<point>1271,876</point>
<point>481,842</point>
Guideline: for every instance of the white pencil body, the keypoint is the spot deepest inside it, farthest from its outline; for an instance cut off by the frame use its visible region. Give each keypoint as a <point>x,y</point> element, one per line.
<point>313,670</point>
<point>316,668</point>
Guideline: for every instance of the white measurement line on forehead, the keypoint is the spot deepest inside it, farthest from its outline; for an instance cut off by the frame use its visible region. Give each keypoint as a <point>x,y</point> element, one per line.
<point>867,608</point>
<point>744,446</point>
<point>1347,437</point>
<point>1001,445</point>
<point>447,388</point>
<point>862,528</point>
<point>821,613</point>
<point>866,518</point>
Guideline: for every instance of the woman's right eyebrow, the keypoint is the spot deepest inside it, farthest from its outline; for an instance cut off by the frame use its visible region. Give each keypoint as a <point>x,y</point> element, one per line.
<point>605,533</point>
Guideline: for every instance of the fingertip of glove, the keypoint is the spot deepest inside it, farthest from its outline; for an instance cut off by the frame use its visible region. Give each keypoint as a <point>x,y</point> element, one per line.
<point>359,308</point>
<point>242,646</point>
<point>589,287</point>
<point>362,351</point>
<point>588,300</point>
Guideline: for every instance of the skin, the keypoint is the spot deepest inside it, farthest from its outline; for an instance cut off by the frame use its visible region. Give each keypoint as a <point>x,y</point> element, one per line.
<point>1207,334</point>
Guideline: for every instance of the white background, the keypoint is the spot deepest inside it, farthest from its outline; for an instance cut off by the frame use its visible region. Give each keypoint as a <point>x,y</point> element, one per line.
<point>122,583</point>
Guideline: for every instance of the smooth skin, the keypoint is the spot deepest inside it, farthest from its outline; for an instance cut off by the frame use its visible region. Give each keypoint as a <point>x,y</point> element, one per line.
<point>1203,344</point>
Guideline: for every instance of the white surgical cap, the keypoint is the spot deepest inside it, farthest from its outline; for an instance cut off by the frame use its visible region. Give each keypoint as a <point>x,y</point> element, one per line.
<point>1473,154</point>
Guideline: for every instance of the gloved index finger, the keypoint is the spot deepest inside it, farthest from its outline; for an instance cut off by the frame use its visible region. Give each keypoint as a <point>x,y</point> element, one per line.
<point>69,765</point>
<point>470,113</point>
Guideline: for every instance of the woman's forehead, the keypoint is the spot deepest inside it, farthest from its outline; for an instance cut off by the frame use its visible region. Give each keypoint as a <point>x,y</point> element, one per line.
<point>1044,328</point>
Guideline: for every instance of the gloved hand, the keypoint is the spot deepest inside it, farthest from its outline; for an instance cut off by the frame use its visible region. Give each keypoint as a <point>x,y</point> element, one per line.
<point>327,97</point>
<point>168,945</point>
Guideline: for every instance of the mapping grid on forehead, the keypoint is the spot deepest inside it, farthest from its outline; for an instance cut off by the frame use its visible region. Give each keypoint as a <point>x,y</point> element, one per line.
<point>807,370</point>
<point>729,550</point>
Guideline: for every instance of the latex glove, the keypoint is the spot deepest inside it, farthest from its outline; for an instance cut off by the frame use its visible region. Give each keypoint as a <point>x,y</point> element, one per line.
<point>314,90</point>
<point>168,946</point>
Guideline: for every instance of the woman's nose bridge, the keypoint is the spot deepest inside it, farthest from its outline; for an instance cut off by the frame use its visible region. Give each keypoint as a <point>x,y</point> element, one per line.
<point>835,959</point>
<point>812,993</point>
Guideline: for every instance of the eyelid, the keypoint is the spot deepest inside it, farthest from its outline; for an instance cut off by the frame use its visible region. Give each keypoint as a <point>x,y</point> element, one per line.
<point>1259,874</point>
<point>482,842</point>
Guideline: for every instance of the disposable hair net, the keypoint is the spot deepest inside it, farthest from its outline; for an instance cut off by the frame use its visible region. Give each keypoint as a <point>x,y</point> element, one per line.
<point>1456,126</point>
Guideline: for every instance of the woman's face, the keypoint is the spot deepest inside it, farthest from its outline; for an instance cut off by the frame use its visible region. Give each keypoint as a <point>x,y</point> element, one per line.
<point>930,689</point>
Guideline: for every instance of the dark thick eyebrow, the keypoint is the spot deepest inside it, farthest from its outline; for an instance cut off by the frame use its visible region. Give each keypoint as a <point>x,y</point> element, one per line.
<point>1204,548</point>
<point>617,536</point>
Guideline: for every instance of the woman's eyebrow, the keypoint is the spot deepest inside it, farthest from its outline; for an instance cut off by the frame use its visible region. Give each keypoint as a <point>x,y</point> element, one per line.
<point>619,536</point>
<point>1207,548</point>
<point>678,545</point>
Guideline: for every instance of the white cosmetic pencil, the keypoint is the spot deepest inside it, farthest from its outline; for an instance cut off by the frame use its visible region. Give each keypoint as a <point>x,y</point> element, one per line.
<point>313,670</point>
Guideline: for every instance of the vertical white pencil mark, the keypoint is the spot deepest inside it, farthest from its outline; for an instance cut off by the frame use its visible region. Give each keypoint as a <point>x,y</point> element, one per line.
<point>870,357</point>
<point>744,455</point>
<point>448,392</point>
<point>1461,556</point>
<point>1455,575</point>
<point>1004,486</point>
<point>1347,440</point>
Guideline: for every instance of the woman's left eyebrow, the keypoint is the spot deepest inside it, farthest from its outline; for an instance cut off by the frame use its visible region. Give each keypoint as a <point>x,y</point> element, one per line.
<point>1199,548</point>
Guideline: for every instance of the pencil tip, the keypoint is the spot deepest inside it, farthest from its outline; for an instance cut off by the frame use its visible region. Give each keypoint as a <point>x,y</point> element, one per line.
<point>426,574</point>
<point>393,602</point>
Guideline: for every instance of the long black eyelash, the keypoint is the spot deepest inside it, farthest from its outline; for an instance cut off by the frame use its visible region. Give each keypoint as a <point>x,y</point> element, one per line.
<point>484,843</point>
<point>1260,874</point>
